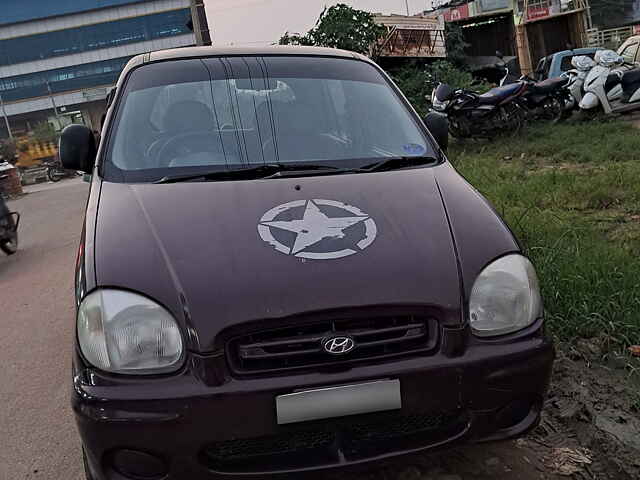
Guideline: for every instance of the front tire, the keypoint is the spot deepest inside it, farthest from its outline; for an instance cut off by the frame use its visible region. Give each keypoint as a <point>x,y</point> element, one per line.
<point>553,110</point>
<point>54,175</point>
<point>9,245</point>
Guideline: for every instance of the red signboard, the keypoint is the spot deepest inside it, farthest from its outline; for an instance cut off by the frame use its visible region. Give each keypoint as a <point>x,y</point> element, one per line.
<point>456,13</point>
<point>537,12</point>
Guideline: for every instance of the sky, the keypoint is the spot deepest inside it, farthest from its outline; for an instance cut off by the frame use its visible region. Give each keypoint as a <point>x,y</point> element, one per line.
<point>262,22</point>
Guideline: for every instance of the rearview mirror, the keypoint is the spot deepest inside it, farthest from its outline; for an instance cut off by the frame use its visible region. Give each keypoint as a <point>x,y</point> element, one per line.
<point>77,148</point>
<point>438,125</point>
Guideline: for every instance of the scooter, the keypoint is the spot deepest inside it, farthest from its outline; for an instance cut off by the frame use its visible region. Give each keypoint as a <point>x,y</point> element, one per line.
<point>611,84</point>
<point>582,65</point>
<point>9,222</point>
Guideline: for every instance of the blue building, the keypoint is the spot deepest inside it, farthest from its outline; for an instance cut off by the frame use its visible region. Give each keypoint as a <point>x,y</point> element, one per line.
<point>58,58</point>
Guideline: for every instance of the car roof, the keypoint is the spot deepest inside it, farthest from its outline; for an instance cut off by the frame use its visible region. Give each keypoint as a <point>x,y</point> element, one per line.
<point>210,51</point>
<point>576,51</point>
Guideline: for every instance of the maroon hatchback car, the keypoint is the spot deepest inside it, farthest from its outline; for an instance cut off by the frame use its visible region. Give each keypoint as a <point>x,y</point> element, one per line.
<point>280,272</point>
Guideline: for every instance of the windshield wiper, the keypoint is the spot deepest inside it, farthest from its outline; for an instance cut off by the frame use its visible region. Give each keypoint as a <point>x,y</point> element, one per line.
<point>260,171</point>
<point>395,163</point>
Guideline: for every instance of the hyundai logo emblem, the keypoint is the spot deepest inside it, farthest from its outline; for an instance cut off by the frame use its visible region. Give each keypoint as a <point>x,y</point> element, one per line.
<point>338,345</point>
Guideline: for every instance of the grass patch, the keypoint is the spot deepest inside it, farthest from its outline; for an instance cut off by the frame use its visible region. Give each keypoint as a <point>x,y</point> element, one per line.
<point>571,193</point>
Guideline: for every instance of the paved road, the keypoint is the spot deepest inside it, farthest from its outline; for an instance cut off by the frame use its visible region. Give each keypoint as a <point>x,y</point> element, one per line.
<point>38,439</point>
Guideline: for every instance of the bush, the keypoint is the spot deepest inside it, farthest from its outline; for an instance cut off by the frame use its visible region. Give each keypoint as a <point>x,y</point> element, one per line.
<point>570,193</point>
<point>44,132</point>
<point>8,151</point>
<point>418,81</point>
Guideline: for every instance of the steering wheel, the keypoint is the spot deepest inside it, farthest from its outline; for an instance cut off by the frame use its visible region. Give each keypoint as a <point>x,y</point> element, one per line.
<point>163,147</point>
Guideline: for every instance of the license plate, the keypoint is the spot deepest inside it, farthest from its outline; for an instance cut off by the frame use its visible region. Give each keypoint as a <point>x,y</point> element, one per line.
<point>338,401</point>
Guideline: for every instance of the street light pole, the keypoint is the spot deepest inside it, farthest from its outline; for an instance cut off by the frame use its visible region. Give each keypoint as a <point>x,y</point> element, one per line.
<point>6,119</point>
<point>53,102</point>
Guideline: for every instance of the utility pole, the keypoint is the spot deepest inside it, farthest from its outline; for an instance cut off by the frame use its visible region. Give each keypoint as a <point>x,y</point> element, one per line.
<point>406,4</point>
<point>199,22</point>
<point>53,102</point>
<point>6,119</point>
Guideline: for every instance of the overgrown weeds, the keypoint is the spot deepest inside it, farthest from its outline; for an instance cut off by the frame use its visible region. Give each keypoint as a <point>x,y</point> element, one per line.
<point>571,193</point>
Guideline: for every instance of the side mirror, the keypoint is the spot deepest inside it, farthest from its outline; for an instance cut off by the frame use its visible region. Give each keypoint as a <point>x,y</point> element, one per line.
<point>77,148</point>
<point>438,125</point>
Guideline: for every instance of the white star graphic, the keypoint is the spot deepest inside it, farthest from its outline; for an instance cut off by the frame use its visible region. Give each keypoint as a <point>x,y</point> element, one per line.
<point>315,226</point>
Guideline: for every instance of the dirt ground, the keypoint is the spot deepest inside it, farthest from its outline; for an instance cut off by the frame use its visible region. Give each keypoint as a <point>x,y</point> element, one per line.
<point>590,430</point>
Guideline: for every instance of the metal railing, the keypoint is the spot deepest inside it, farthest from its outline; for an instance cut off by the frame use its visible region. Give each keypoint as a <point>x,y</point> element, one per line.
<point>610,37</point>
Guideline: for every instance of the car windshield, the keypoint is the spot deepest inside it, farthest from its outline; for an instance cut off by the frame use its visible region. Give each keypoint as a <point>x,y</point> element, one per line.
<point>203,115</point>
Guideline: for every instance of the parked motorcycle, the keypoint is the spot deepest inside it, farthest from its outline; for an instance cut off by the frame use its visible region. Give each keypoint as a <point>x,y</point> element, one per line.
<point>56,172</point>
<point>485,116</point>
<point>9,222</point>
<point>612,84</point>
<point>546,100</point>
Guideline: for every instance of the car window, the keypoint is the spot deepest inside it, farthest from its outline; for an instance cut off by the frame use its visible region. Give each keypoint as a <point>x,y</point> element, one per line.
<point>230,113</point>
<point>629,52</point>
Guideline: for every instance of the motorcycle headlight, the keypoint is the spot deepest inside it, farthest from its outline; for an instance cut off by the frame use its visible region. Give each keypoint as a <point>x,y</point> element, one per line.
<point>437,104</point>
<point>505,297</point>
<point>123,332</point>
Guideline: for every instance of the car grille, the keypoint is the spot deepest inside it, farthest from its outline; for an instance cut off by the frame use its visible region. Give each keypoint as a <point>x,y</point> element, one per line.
<point>301,347</point>
<point>331,443</point>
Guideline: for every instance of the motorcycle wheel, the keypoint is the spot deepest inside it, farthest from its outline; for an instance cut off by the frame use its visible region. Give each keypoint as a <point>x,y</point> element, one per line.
<point>516,118</point>
<point>587,115</point>
<point>9,245</point>
<point>552,110</point>
<point>54,175</point>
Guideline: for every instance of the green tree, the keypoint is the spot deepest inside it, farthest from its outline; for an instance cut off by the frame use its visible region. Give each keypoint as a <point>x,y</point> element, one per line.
<point>44,132</point>
<point>340,26</point>
<point>456,44</point>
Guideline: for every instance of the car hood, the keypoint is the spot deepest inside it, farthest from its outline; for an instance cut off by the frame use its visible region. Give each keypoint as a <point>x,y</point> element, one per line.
<point>197,248</point>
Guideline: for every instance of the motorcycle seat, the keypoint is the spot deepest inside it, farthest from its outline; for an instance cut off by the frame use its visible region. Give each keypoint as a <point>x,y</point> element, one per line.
<point>549,85</point>
<point>631,77</point>
<point>613,79</point>
<point>630,83</point>
<point>498,94</point>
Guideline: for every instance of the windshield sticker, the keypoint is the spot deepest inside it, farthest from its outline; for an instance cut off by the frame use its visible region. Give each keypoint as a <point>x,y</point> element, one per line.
<point>317,229</point>
<point>413,149</point>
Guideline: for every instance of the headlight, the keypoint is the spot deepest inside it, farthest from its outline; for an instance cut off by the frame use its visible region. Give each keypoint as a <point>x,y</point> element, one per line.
<point>123,332</point>
<point>505,297</point>
<point>437,104</point>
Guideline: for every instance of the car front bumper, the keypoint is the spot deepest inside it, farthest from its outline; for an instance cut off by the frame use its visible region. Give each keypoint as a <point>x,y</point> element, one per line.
<point>204,424</point>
